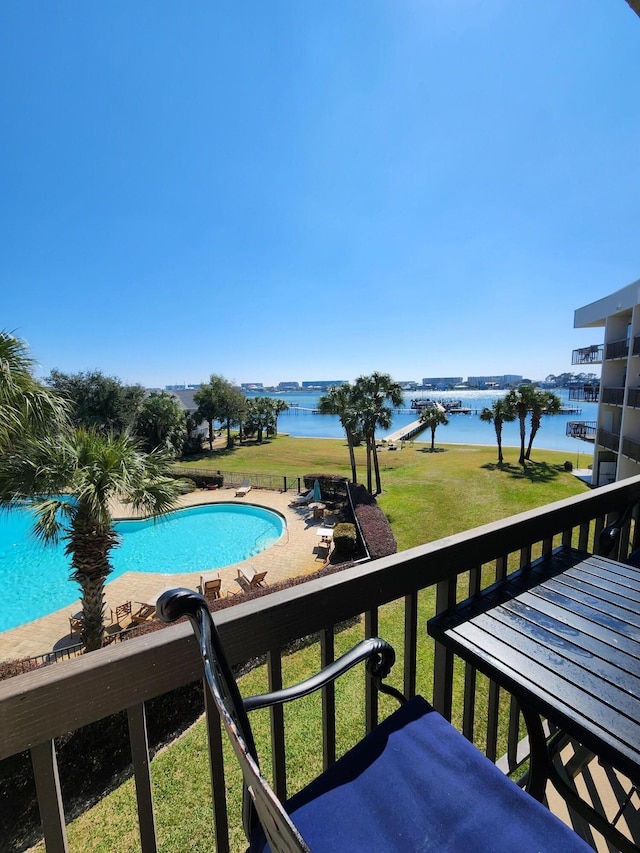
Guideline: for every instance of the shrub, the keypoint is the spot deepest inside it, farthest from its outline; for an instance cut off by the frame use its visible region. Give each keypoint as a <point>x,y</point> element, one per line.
<point>192,445</point>
<point>185,485</point>
<point>344,540</point>
<point>373,523</point>
<point>9,668</point>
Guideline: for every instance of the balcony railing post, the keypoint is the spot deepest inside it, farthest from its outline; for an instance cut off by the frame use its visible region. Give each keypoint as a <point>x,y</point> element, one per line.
<point>45,771</point>
<point>140,756</point>
<point>216,769</point>
<point>443,657</point>
<point>274,667</point>
<point>327,656</point>
<point>371,694</point>
<point>410,644</point>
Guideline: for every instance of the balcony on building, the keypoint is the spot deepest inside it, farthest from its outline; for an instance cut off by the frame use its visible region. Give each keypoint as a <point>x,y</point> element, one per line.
<point>631,449</point>
<point>587,393</point>
<point>610,440</point>
<point>613,396</point>
<point>584,430</point>
<point>633,398</point>
<point>37,707</point>
<point>588,355</point>
<point>616,349</point>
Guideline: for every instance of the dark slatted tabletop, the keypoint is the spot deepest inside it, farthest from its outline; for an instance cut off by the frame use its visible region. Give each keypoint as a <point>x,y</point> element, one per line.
<point>563,635</point>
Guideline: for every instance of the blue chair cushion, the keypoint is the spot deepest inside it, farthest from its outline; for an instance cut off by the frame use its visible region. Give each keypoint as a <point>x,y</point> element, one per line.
<point>416,784</point>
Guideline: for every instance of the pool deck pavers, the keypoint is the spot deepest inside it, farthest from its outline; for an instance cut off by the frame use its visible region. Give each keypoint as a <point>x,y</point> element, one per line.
<point>293,555</point>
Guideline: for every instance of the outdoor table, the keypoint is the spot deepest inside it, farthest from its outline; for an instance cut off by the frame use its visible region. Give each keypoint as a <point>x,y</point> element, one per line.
<point>325,533</point>
<point>318,509</point>
<point>563,636</point>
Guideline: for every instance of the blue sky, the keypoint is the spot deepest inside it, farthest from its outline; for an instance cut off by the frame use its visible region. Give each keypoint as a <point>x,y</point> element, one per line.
<point>292,190</point>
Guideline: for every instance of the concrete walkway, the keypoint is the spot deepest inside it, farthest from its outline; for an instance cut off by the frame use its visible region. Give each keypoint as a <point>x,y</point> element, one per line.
<point>293,555</point>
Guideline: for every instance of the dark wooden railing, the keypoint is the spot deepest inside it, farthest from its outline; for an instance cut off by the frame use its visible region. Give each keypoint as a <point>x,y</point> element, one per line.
<point>613,396</point>
<point>610,440</point>
<point>588,355</point>
<point>39,706</point>
<point>631,449</point>
<point>586,430</point>
<point>617,349</point>
<point>633,398</point>
<point>584,394</point>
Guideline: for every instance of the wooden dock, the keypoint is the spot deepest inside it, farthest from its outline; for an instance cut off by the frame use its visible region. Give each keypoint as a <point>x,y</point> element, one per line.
<point>407,432</point>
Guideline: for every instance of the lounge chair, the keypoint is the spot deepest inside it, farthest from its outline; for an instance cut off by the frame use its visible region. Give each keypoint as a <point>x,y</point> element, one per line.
<point>210,586</point>
<point>144,613</point>
<point>413,783</point>
<point>120,613</point>
<point>323,547</point>
<point>243,489</point>
<point>251,578</point>
<point>302,500</point>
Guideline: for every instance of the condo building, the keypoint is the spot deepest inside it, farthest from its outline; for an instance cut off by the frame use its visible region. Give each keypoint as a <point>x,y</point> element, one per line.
<point>615,434</point>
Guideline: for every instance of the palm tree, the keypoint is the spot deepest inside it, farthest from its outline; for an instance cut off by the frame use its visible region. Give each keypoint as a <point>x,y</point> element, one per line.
<point>433,417</point>
<point>339,400</point>
<point>498,414</point>
<point>279,406</point>
<point>88,471</point>
<point>543,402</point>
<point>373,394</point>
<point>520,402</point>
<point>26,406</point>
<point>259,416</point>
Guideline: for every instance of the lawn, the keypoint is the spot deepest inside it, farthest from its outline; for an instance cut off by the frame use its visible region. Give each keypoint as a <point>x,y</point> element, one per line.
<point>426,496</point>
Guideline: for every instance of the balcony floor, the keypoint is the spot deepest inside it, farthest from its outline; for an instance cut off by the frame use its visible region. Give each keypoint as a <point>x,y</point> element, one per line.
<point>606,790</point>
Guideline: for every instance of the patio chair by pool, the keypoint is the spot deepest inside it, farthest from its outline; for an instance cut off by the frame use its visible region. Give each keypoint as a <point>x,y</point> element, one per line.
<point>302,500</point>
<point>414,783</point>
<point>210,586</point>
<point>144,613</point>
<point>251,578</point>
<point>243,489</point>
<point>323,547</point>
<point>120,613</point>
<point>76,623</point>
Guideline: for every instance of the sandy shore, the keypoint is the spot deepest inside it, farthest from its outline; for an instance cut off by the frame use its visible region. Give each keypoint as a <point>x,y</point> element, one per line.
<point>293,555</point>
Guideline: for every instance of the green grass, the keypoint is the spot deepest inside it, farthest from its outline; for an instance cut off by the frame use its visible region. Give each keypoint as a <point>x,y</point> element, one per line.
<point>426,496</point>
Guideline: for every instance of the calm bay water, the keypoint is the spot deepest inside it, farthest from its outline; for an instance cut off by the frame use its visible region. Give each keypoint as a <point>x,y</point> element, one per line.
<point>461,429</point>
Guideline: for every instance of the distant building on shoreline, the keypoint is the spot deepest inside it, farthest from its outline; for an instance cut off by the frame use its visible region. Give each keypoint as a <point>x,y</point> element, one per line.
<point>507,380</point>
<point>322,384</point>
<point>442,383</point>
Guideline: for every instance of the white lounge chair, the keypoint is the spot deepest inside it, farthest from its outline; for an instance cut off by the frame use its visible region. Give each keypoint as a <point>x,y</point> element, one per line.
<point>302,500</point>
<point>243,488</point>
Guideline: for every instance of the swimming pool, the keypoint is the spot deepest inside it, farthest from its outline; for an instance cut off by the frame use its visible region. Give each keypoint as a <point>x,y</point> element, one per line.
<point>34,579</point>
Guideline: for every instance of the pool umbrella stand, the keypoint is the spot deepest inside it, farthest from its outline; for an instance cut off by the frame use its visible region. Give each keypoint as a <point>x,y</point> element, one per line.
<point>317,494</point>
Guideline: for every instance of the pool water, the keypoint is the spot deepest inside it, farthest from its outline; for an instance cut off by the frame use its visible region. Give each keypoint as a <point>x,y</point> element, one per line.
<point>34,578</point>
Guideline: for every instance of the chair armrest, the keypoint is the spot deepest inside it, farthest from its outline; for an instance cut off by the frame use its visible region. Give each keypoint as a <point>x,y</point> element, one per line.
<point>378,654</point>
